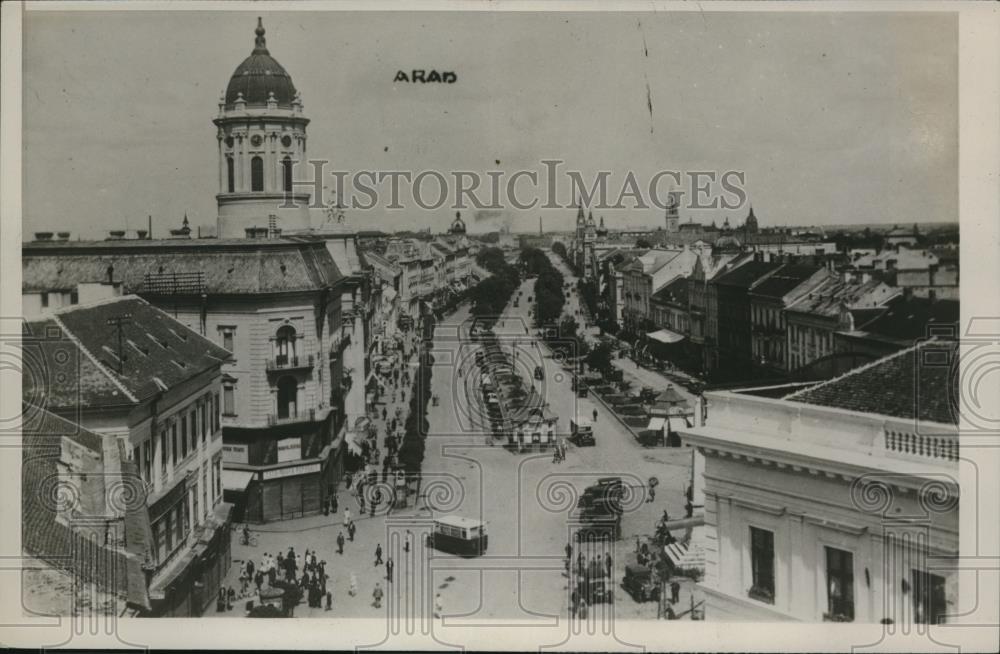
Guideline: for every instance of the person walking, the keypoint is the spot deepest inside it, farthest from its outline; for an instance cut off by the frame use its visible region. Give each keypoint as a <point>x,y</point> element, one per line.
<point>595,415</point>
<point>389,565</point>
<point>581,611</point>
<point>334,505</point>
<point>347,517</point>
<point>438,608</point>
<point>675,592</point>
<point>609,563</point>
<point>377,595</point>
<point>340,543</point>
<point>350,531</point>
<point>651,495</point>
<point>378,554</point>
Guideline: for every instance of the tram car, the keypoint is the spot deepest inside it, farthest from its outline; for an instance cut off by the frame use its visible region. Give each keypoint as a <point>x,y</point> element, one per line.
<point>459,535</point>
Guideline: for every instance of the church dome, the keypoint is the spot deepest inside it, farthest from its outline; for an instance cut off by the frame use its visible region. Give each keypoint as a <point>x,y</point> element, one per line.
<point>458,225</point>
<point>259,76</point>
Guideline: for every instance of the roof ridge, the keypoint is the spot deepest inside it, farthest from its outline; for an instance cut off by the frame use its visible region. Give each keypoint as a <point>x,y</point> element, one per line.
<point>863,368</point>
<point>94,359</point>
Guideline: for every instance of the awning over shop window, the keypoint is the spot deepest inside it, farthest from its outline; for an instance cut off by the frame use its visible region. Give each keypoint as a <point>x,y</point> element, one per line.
<point>666,336</point>
<point>236,480</point>
<point>656,423</point>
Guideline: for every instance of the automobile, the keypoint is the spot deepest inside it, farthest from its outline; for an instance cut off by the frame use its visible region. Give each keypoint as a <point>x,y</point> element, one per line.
<point>539,373</point>
<point>516,304</point>
<point>597,590</point>
<point>459,535</point>
<point>640,583</point>
<point>581,431</point>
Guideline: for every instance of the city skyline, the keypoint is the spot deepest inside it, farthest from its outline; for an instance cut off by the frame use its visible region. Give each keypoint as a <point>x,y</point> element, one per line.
<point>894,149</point>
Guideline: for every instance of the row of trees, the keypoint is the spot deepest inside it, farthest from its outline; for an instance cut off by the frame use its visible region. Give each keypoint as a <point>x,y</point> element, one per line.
<point>549,294</point>
<point>417,426</point>
<point>490,296</point>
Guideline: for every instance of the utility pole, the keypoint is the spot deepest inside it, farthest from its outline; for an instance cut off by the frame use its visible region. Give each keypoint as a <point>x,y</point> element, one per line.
<point>118,322</point>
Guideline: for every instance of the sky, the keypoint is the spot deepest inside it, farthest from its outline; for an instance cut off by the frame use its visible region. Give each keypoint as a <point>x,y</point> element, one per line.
<point>833,118</point>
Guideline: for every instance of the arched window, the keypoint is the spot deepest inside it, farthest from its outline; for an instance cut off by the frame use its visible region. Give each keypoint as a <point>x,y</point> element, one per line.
<point>288,395</point>
<point>231,173</point>
<point>286,169</point>
<point>284,345</point>
<point>256,174</point>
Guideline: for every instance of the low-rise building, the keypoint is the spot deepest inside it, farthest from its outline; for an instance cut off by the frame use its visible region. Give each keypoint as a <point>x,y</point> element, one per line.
<point>145,393</point>
<point>838,502</point>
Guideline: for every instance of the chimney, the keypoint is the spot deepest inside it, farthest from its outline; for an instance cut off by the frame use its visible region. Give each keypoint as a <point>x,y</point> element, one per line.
<point>63,236</point>
<point>43,236</point>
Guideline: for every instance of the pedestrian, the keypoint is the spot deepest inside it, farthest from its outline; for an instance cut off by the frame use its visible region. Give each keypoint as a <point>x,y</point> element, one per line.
<point>675,592</point>
<point>384,412</point>
<point>378,554</point>
<point>569,550</point>
<point>438,608</point>
<point>609,563</point>
<point>652,494</point>
<point>595,415</point>
<point>329,600</point>
<point>350,531</point>
<point>377,595</point>
<point>582,609</point>
<point>340,543</point>
<point>574,601</point>
<point>347,517</point>
<point>389,565</point>
<point>259,580</point>
<point>353,591</point>
<point>334,508</point>
<point>581,563</point>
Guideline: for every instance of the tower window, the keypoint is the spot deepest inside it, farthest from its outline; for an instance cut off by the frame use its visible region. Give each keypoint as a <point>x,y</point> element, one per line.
<point>231,173</point>
<point>256,174</point>
<point>286,169</point>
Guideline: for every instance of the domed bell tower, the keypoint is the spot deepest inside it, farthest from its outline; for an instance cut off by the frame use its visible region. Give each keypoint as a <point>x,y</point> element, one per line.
<point>262,140</point>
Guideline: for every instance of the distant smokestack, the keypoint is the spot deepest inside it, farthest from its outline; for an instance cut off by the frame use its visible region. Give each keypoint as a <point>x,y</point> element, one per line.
<point>150,227</point>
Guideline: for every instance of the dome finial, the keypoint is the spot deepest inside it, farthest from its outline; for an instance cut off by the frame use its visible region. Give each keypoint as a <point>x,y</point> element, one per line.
<point>260,44</point>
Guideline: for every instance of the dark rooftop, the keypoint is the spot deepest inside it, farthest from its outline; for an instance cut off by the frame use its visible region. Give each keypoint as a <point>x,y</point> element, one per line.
<point>676,292</point>
<point>917,384</point>
<point>78,355</point>
<point>784,281</point>
<point>908,318</point>
<point>745,275</point>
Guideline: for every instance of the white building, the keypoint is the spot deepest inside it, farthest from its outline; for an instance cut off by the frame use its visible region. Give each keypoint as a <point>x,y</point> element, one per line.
<point>836,502</point>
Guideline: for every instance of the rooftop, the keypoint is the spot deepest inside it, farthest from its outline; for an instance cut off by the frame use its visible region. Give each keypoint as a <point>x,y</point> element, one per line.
<point>918,383</point>
<point>83,366</point>
<point>228,266</point>
<point>744,276</point>
<point>785,280</point>
<point>907,319</point>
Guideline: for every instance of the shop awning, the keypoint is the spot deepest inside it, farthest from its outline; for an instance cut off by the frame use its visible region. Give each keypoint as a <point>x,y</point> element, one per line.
<point>688,555</point>
<point>666,336</point>
<point>656,423</point>
<point>236,480</point>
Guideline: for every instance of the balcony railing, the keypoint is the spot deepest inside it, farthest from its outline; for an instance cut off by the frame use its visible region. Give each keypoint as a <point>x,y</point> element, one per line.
<point>291,362</point>
<point>306,415</point>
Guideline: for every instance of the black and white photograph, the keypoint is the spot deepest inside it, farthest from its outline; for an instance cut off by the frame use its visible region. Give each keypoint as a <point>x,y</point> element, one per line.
<point>579,326</point>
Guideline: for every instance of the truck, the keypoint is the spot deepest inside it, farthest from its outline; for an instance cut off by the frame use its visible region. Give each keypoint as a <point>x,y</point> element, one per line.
<point>581,431</point>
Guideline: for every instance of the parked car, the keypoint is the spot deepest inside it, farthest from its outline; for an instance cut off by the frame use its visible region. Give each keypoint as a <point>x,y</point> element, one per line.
<point>640,583</point>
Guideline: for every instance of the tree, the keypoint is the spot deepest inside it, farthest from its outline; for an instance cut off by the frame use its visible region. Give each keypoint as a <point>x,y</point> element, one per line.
<point>643,243</point>
<point>599,358</point>
<point>559,249</point>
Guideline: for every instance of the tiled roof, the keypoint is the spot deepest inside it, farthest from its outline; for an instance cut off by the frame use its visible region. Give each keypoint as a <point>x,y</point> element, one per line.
<point>745,275</point>
<point>784,281</point>
<point>78,355</point>
<point>229,267</point>
<point>918,383</point>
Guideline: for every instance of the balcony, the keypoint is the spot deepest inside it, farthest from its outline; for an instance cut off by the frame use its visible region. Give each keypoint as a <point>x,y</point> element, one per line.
<point>305,415</point>
<point>292,362</point>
